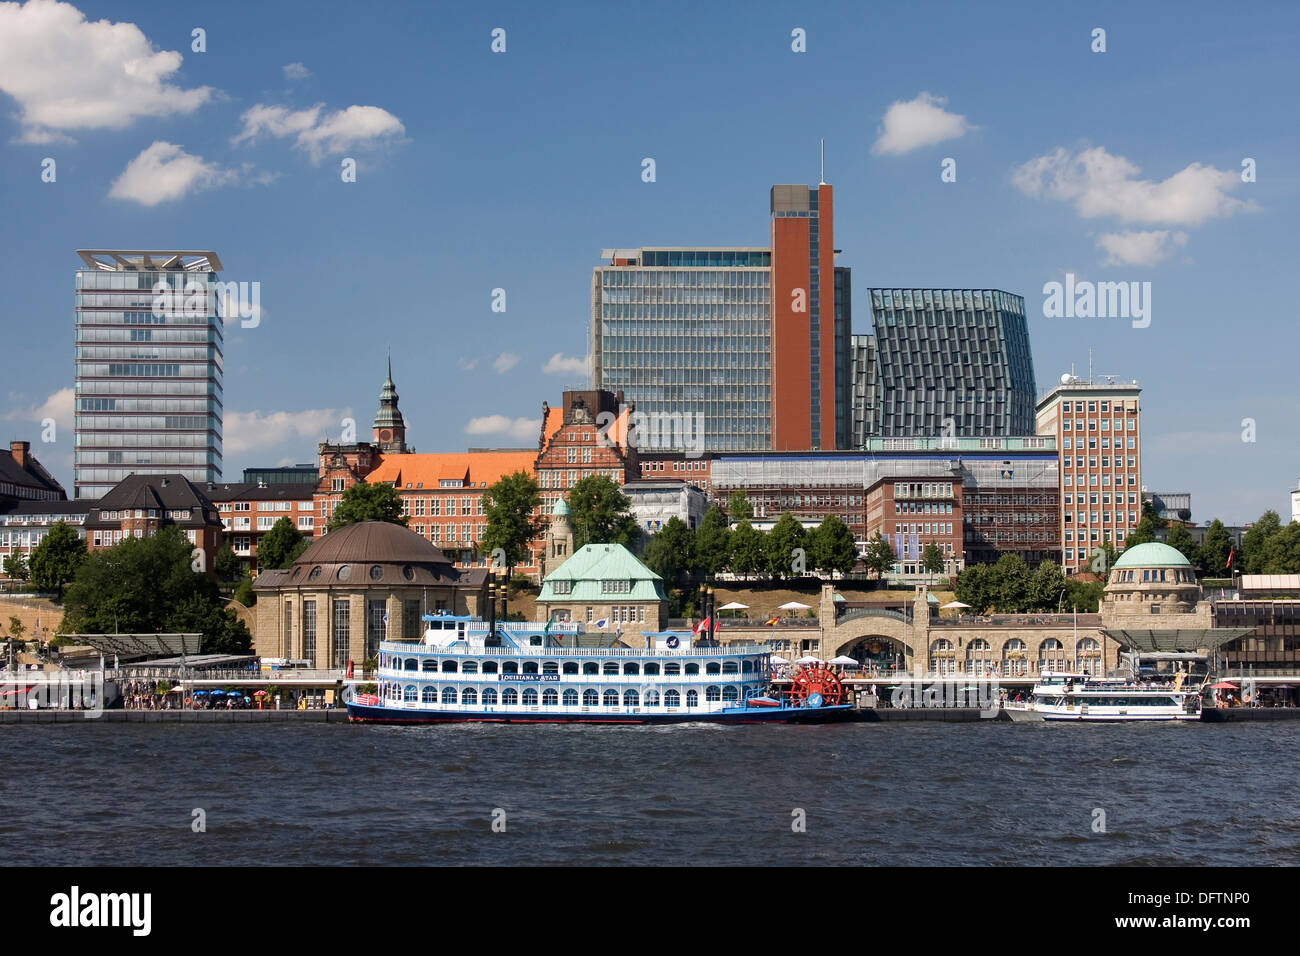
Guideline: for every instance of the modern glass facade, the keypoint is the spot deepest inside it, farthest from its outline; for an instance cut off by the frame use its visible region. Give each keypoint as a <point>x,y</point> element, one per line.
<point>952,354</point>
<point>692,339</point>
<point>862,391</point>
<point>148,380</point>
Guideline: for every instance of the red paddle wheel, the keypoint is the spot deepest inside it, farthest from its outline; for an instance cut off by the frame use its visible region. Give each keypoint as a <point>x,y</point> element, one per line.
<point>816,679</point>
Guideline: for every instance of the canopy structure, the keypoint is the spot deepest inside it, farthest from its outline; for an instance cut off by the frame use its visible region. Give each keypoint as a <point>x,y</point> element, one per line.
<point>844,660</point>
<point>129,646</point>
<point>777,659</point>
<point>734,606</point>
<point>1183,639</point>
<point>953,604</point>
<point>809,660</point>
<point>793,606</point>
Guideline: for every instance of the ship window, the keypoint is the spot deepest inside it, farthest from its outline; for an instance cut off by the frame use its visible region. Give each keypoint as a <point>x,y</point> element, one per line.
<point>631,668</point>
<point>489,695</point>
<point>469,696</point>
<point>449,667</point>
<point>530,697</point>
<point>713,667</point>
<point>429,664</point>
<point>469,667</point>
<point>672,698</point>
<point>652,698</point>
<point>570,698</point>
<point>550,667</point>
<point>509,696</point>
<point>408,693</point>
<point>692,668</point>
<point>611,667</point>
<point>590,667</point>
<point>713,693</point>
<point>549,697</point>
<point>651,669</point>
<point>692,698</point>
<point>747,666</point>
<point>530,667</point>
<point>429,695</point>
<point>449,695</point>
<point>411,664</point>
<point>590,698</point>
<point>611,698</point>
<point>672,667</point>
<point>570,667</point>
<point>509,667</point>
<point>630,699</point>
<point>489,667</point>
<point>731,667</point>
<point>731,693</point>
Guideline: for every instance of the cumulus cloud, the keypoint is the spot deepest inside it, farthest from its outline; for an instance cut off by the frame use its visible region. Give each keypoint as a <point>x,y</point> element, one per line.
<point>911,124</point>
<point>256,430</point>
<point>165,172</point>
<point>1140,248</point>
<point>521,429</point>
<point>295,71</point>
<point>1099,184</point>
<point>505,362</point>
<point>58,406</point>
<point>466,364</point>
<point>67,73</point>
<point>319,133</point>
<point>560,364</point>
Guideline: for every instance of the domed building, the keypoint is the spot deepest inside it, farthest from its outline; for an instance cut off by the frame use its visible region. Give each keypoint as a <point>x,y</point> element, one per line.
<point>1153,578</point>
<point>357,586</point>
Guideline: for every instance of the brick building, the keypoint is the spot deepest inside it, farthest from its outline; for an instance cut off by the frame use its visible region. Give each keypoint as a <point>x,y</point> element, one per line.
<point>249,510</point>
<point>139,505</point>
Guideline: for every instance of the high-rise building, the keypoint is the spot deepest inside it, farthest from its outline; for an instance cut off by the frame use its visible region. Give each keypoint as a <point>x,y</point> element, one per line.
<point>746,346</point>
<point>863,382</point>
<point>1097,426</point>
<point>148,368</point>
<point>952,362</point>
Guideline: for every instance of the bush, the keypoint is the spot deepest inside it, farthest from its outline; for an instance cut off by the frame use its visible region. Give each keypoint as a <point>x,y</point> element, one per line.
<point>244,593</point>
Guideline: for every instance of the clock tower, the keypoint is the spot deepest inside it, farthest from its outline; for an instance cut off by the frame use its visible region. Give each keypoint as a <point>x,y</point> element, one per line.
<point>390,429</point>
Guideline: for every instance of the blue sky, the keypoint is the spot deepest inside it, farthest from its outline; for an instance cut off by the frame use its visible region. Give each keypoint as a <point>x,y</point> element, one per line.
<point>479,170</point>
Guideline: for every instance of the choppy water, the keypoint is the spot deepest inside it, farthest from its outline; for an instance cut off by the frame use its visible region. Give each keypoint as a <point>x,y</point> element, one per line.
<point>899,794</point>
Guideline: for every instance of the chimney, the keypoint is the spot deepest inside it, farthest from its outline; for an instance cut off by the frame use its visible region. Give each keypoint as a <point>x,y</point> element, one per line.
<point>19,451</point>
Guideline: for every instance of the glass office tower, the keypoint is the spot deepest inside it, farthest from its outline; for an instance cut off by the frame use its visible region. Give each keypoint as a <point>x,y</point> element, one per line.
<point>148,381</point>
<point>688,332</point>
<point>952,354</point>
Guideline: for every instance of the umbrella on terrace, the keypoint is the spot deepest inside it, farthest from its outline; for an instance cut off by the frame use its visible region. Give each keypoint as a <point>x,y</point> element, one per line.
<point>844,661</point>
<point>775,659</point>
<point>793,606</point>
<point>809,659</point>
<point>734,606</point>
<point>1223,685</point>
<point>954,604</point>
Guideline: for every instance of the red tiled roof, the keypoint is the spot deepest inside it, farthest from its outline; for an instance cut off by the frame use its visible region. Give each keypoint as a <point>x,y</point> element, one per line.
<point>483,468</point>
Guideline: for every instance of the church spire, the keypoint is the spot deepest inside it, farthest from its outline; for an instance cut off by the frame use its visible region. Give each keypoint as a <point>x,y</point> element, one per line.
<point>390,428</point>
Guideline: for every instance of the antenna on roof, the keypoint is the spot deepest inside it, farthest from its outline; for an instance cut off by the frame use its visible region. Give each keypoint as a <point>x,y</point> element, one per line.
<point>823,181</point>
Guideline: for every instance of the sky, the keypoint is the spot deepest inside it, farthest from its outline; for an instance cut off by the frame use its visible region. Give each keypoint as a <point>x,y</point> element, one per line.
<point>478,170</point>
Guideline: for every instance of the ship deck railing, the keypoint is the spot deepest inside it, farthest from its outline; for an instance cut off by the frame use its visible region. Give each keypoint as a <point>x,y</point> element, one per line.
<point>460,649</point>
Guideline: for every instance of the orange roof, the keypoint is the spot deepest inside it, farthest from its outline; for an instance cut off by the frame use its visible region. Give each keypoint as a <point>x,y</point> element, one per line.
<point>484,468</point>
<point>551,423</point>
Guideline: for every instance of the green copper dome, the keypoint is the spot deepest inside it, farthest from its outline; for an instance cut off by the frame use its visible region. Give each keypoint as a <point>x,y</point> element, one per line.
<point>1153,554</point>
<point>560,509</point>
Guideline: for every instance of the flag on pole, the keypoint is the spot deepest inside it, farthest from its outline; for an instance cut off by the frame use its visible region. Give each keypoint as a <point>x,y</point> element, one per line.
<point>603,622</point>
<point>702,626</point>
<point>1231,552</point>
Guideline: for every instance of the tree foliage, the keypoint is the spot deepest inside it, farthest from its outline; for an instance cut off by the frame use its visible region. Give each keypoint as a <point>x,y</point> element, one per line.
<point>831,546</point>
<point>786,535</point>
<point>932,558</point>
<point>146,586</point>
<point>1146,529</point>
<point>366,501</point>
<point>880,556</point>
<point>748,555</point>
<point>738,507</point>
<point>1254,541</point>
<point>1215,548</point>
<point>226,564</point>
<point>56,559</point>
<point>1180,539</point>
<point>670,551</point>
<point>600,513</point>
<point>512,519</point>
<point>280,547</point>
<point>1010,587</point>
<point>712,543</point>
<point>15,567</point>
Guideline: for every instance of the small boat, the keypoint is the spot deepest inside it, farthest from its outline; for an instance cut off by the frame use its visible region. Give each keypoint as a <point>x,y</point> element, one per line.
<point>467,670</point>
<point>1061,695</point>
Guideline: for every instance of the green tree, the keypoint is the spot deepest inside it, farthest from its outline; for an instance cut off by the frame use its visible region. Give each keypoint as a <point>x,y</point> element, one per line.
<point>831,546</point>
<point>880,556</point>
<point>600,513</point>
<point>1215,549</point>
<point>974,587</point>
<point>15,567</point>
<point>747,554</point>
<point>1084,595</point>
<point>366,501</point>
<point>712,543</point>
<point>146,585</point>
<point>738,507</point>
<point>226,564</point>
<point>281,546</point>
<point>670,551</point>
<point>1146,529</point>
<point>1180,539</point>
<point>244,594</point>
<point>56,559</point>
<point>1282,551</point>
<point>1009,582</point>
<point>1102,558</point>
<point>786,535</point>
<point>16,629</point>
<point>932,558</point>
<point>513,521</point>
<point>1046,587</point>
<point>1254,541</point>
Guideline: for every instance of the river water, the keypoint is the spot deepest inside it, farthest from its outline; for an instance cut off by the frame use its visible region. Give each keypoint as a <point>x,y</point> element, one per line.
<point>859,794</point>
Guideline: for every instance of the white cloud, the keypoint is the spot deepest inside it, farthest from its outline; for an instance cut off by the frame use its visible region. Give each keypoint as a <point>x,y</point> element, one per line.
<point>560,364</point>
<point>1139,248</point>
<point>58,407</point>
<point>295,71</point>
<point>67,73</point>
<point>522,429</point>
<point>320,133</point>
<point>1099,184</point>
<point>911,124</point>
<point>505,362</point>
<point>466,365</point>
<point>165,172</point>
<point>250,431</point>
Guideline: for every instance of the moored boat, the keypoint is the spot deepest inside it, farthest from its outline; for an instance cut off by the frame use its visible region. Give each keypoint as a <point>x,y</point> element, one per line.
<point>1077,696</point>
